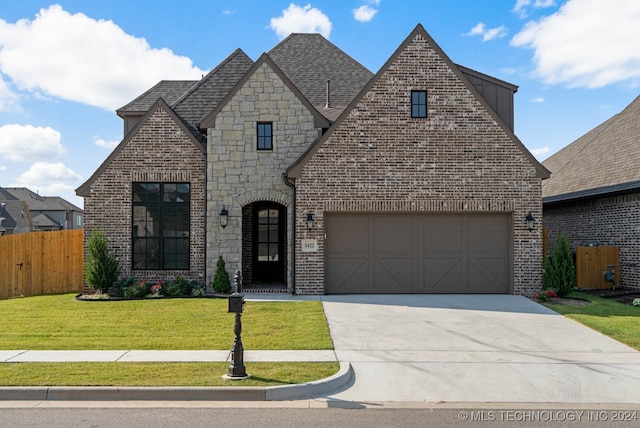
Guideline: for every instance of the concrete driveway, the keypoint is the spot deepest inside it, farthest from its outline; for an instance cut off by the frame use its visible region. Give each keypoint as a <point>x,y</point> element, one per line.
<point>475,348</point>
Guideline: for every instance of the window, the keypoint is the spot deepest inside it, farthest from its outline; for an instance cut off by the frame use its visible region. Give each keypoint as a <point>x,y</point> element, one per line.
<point>160,226</point>
<point>265,135</point>
<point>418,103</point>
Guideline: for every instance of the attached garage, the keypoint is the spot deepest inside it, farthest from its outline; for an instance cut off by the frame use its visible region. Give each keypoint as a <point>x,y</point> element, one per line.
<point>418,253</point>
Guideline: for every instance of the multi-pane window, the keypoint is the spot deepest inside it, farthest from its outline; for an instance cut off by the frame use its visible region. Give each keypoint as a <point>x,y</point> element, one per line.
<point>418,103</point>
<point>265,135</point>
<point>268,235</point>
<point>160,225</point>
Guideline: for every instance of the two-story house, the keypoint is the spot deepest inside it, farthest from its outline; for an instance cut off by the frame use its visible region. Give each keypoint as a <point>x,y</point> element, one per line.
<point>312,175</point>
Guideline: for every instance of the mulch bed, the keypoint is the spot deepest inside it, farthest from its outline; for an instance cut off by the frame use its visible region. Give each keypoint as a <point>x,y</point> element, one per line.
<point>622,295</point>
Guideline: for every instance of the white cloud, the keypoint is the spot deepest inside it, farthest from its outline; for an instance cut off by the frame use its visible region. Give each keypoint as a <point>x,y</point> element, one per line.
<point>541,151</point>
<point>587,43</point>
<point>364,13</point>
<point>522,6</point>
<point>77,58</point>
<point>537,100</point>
<point>9,101</point>
<point>48,179</point>
<point>487,34</point>
<point>296,19</point>
<point>100,142</point>
<point>28,143</point>
<point>3,167</point>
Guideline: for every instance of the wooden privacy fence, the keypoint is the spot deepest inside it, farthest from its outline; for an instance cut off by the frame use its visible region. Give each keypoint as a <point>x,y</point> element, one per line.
<point>38,263</point>
<point>591,262</point>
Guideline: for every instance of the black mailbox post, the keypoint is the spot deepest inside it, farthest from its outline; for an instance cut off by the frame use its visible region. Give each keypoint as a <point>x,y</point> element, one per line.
<point>237,369</point>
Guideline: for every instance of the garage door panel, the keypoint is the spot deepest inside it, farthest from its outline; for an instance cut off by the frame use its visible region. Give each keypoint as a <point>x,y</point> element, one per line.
<point>418,253</point>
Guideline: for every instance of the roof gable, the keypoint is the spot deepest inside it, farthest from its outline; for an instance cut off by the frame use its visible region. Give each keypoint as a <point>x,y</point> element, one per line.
<point>83,190</point>
<point>208,121</point>
<point>604,160</point>
<point>295,170</point>
<point>169,90</point>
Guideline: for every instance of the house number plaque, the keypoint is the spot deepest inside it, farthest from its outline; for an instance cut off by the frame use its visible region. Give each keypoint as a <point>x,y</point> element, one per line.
<point>309,245</point>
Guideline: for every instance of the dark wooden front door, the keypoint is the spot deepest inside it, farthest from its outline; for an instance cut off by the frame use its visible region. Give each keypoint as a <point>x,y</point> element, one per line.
<point>268,242</point>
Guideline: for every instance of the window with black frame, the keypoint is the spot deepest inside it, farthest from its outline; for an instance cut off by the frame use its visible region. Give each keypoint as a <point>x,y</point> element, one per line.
<point>160,226</point>
<point>418,103</point>
<point>265,135</point>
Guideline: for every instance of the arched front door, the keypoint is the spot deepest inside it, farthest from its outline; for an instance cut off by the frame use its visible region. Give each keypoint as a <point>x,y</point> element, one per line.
<point>269,220</point>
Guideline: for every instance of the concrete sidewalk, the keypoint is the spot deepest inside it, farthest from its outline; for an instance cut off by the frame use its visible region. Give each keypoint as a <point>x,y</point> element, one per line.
<point>26,356</point>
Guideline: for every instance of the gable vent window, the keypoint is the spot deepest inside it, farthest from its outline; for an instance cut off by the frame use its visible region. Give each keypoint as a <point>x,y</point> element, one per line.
<point>418,103</point>
<point>160,226</point>
<point>265,135</point>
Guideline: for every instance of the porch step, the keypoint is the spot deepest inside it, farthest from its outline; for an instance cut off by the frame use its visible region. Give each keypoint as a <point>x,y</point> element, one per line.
<point>265,288</point>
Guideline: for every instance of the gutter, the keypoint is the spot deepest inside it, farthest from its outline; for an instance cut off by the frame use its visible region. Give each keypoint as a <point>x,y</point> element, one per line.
<point>285,177</point>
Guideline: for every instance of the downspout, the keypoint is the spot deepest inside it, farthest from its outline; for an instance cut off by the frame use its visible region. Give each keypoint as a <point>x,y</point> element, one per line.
<point>285,177</point>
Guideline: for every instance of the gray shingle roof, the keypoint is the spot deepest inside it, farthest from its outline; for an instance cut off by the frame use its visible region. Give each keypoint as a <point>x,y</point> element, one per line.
<point>12,211</point>
<point>605,159</point>
<point>203,97</point>
<point>41,203</point>
<point>309,60</point>
<point>169,90</point>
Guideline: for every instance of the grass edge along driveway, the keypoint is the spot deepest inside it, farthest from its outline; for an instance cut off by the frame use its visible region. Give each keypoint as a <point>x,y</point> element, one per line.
<point>60,322</point>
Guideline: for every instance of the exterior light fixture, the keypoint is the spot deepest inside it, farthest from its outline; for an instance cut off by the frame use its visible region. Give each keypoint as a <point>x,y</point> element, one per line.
<point>530,221</point>
<point>309,221</point>
<point>224,217</point>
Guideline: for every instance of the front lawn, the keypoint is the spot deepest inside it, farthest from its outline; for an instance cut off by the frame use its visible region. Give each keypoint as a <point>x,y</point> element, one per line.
<point>616,320</point>
<point>60,322</point>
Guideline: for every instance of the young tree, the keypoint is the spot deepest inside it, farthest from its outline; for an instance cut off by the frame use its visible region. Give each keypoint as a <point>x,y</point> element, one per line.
<point>559,274</point>
<point>102,266</point>
<point>221,282</point>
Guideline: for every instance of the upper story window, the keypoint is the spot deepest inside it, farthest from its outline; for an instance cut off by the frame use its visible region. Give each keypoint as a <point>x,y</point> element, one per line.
<point>265,135</point>
<point>160,226</point>
<point>418,103</point>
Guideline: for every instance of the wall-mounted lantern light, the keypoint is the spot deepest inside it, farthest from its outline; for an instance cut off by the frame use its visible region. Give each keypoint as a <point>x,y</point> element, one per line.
<point>224,216</point>
<point>309,221</point>
<point>530,221</point>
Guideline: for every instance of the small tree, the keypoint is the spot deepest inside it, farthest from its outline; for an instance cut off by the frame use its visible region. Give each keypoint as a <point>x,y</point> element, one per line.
<point>559,274</point>
<point>102,268</point>
<point>221,282</point>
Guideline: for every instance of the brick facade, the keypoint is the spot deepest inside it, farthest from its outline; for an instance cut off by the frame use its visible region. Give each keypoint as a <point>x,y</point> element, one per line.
<point>458,159</point>
<point>239,174</point>
<point>160,151</point>
<point>609,220</point>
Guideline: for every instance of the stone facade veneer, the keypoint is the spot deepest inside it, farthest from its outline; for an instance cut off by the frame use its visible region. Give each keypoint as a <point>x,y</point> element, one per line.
<point>239,174</point>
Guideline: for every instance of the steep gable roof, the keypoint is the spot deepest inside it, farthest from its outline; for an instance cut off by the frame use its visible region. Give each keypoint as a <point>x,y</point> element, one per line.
<point>201,98</point>
<point>169,90</point>
<point>16,216</point>
<point>604,160</point>
<point>295,169</point>
<point>83,190</point>
<point>209,120</point>
<point>37,202</point>
<point>309,60</point>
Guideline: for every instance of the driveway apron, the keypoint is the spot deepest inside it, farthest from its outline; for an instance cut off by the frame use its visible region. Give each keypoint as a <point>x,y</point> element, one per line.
<point>475,348</point>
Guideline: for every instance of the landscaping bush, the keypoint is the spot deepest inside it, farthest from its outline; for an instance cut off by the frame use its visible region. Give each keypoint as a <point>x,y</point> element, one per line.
<point>102,268</point>
<point>221,282</point>
<point>559,274</point>
<point>118,288</point>
<point>137,291</point>
<point>177,287</point>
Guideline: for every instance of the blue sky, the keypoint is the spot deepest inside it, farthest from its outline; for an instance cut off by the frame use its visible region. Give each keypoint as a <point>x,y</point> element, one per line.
<point>65,67</point>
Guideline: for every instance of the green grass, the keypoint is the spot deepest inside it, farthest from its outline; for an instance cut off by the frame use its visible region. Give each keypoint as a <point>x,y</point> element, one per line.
<point>60,322</point>
<point>159,374</point>
<point>616,320</point>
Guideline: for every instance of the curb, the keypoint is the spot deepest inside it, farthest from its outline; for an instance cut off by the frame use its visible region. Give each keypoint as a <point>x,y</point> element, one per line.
<point>170,393</point>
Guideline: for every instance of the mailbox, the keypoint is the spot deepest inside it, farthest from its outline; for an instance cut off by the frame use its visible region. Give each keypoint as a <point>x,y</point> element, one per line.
<point>236,303</point>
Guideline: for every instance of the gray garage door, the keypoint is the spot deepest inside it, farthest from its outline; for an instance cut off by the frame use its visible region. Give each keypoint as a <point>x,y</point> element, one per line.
<point>417,253</point>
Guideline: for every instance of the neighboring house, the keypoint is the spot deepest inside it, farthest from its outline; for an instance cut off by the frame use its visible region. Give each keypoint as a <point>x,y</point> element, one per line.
<point>593,195</point>
<point>45,213</point>
<point>306,171</point>
<point>14,217</point>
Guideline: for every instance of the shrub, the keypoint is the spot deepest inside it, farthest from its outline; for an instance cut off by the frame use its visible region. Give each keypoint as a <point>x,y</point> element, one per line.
<point>197,290</point>
<point>102,268</point>
<point>559,273</point>
<point>138,290</point>
<point>221,282</point>
<point>118,288</point>
<point>177,287</point>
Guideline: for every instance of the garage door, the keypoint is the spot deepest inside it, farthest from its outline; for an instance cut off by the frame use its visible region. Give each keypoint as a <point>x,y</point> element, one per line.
<point>417,253</point>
